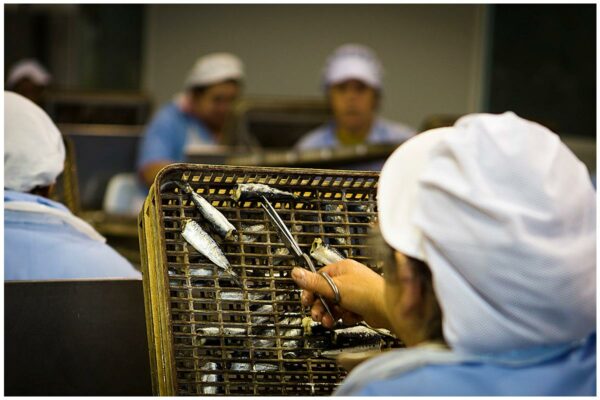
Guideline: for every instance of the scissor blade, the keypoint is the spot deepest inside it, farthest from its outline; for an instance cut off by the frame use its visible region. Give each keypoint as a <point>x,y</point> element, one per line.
<point>283,230</point>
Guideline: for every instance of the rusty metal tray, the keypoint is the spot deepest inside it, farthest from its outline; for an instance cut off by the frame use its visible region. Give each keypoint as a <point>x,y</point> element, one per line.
<point>204,343</point>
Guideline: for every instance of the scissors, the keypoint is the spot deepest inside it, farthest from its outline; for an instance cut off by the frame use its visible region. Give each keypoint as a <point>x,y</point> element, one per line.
<point>294,247</point>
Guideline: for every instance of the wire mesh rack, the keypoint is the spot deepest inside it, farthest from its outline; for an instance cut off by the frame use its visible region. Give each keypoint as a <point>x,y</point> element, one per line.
<point>208,336</point>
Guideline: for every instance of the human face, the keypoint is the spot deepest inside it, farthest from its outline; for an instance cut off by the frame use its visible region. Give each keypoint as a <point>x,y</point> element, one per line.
<point>353,104</point>
<point>215,104</point>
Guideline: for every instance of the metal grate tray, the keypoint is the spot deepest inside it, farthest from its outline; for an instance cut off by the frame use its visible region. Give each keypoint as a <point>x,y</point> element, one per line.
<point>210,337</point>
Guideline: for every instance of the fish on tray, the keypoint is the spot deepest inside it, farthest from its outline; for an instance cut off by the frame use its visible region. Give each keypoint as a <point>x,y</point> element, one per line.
<point>206,245</point>
<point>254,191</point>
<point>324,254</point>
<point>214,217</point>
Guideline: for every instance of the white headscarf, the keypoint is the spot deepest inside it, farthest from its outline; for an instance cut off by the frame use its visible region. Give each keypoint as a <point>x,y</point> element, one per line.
<point>28,68</point>
<point>353,61</point>
<point>214,68</point>
<point>505,216</point>
<point>34,152</point>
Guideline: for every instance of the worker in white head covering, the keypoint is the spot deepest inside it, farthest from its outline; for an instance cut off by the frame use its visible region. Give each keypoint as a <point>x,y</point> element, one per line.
<point>28,78</point>
<point>197,116</point>
<point>42,239</point>
<point>491,225</point>
<point>353,83</point>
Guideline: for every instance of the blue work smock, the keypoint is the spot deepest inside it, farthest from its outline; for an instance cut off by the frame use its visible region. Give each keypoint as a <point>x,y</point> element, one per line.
<point>42,246</point>
<point>558,370</point>
<point>382,132</point>
<point>167,135</point>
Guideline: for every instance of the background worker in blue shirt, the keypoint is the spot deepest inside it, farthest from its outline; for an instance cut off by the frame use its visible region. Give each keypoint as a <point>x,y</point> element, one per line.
<point>197,116</point>
<point>489,262</point>
<point>352,81</point>
<point>42,239</point>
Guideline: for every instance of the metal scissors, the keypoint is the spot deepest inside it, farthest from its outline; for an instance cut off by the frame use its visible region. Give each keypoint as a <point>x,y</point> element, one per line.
<point>293,246</point>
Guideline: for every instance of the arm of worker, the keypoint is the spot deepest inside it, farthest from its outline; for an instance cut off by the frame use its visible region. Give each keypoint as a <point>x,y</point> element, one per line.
<point>361,293</point>
<point>161,145</point>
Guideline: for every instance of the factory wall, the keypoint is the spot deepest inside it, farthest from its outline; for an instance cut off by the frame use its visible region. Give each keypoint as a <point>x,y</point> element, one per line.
<point>433,55</point>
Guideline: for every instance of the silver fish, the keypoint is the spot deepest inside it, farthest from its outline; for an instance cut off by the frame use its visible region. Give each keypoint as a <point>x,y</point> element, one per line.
<point>254,191</point>
<point>204,272</point>
<point>239,296</point>
<point>358,349</point>
<point>367,210</point>
<point>209,378</point>
<point>250,233</point>
<point>214,331</point>
<point>356,333</point>
<point>331,215</point>
<point>259,367</point>
<point>205,245</point>
<point>218,221</point>
<point>324,254</point>
<point>280,252</point>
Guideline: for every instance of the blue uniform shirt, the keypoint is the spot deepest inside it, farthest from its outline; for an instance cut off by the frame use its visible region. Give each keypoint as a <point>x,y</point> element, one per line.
<point>382,132</point>
<point>40,246</point>
<point>568,372</point>
<point>167,135</point>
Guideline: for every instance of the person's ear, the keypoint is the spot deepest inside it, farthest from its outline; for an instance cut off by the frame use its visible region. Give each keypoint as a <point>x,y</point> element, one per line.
<point>411,297</point>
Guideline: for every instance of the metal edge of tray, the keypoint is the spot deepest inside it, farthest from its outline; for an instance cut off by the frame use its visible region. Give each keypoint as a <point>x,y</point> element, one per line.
<point>155,276</point>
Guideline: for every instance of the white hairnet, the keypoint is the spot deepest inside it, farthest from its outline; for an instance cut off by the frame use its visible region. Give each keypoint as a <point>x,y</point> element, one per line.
<point>215,68</point>
<point>28,68</point>
<point>505,216</point>
<point>353,61</point>
<point>34,152</point>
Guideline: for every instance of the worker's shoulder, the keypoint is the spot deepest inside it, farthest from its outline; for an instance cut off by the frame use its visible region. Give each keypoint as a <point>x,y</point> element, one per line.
<point>169,113</point>
<point>393,130</point>
<point>318,137</point>
<point>67,252</point>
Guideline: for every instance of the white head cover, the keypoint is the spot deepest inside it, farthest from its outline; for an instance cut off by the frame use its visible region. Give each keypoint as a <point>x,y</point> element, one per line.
<point>28,68</point>
<point>215,68</point>
<point>505,216</point>
<point>353,61</point>
<point>34,153</point>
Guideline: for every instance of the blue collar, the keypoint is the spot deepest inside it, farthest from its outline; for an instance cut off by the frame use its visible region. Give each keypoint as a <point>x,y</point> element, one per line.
<point>11,195</point>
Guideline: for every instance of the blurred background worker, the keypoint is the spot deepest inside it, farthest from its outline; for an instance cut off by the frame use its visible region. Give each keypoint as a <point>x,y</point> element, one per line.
<point>352,80</point>
<point>45,241</point>
<point>30,79</point>
<point>489,268</point>
<point>197,116</point>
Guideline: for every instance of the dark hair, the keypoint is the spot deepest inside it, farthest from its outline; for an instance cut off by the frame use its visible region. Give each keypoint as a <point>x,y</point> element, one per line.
<point>384,256</point>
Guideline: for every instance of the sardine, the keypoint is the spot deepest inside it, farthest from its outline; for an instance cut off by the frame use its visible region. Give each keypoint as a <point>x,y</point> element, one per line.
<point>239,296</point>
<point>331,215</point>
<point>258,367</point>
<point>360,334</point>
<point>324,254</point>
<point>209,378</point>
<point>280,252</point>
<point>250,234</point>
<point>254,191</point>
<point>214,217</point>
<point>205,245</point>
<point>215,331</point>
<point>333,353</point>
<point>366,209</point>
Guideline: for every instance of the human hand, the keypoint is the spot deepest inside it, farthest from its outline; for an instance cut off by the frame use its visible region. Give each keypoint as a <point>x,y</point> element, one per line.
<point>361,294</point>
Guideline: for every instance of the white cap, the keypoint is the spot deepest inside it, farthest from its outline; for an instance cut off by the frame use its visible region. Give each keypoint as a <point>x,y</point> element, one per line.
<point>353,61</point>
<point>28,68</point>
<point>504,214</point>
<point>34,152</point>
<point>215,68</point>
